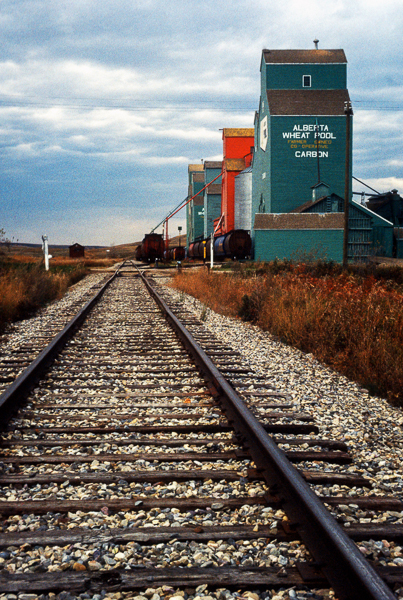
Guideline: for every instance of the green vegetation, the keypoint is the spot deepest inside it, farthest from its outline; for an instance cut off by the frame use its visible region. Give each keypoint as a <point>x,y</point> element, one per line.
<point>352,321</point>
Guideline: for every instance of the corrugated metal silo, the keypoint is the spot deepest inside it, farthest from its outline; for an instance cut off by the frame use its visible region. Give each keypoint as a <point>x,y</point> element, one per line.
<point>243,200</point>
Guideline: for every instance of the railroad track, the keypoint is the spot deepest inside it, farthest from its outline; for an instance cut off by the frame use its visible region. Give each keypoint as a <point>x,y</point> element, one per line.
<point>17,356</point>
<point>130,462</point>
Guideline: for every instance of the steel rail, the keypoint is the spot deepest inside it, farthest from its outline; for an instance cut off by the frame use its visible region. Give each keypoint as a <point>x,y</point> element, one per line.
<point>335,555</point>
<point>24,383</point>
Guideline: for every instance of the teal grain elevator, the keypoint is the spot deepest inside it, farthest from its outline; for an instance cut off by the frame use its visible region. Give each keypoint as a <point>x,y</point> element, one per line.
<point>300,128</point>
<point>195,208</point>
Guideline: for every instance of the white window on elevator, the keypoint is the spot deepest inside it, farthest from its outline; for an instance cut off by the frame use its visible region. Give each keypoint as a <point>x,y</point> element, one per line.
<point>306,81</point>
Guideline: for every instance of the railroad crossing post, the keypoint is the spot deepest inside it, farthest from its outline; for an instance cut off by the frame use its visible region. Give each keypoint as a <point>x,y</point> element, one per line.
<point>212,250</point>
<point>45,249</point>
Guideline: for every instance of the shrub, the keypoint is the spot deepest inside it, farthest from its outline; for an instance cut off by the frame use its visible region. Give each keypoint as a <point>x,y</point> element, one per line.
<point>352,321</point>
<point>25,287</point>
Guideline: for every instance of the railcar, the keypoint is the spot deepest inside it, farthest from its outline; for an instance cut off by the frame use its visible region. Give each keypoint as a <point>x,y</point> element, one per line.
<point>236,244</point>
<point>152,247</point>
<point>177,253</point>
<point>191,249</point>
<point>138,252</point>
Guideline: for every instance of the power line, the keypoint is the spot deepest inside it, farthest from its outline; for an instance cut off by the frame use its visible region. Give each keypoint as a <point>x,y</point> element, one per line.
<point>182,106</point>
<point>136,104</point>
<point>132,109</point>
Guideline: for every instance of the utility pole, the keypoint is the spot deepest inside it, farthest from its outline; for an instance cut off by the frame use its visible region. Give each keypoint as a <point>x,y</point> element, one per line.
<point>348,111</point>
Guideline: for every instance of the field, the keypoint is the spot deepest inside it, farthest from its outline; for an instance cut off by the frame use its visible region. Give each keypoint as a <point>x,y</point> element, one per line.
<point>352,321</point>
<point>25,286</point>
<point>94,253</point>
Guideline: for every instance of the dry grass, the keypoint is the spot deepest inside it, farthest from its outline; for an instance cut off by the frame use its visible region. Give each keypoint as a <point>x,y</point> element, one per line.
<point>87,262</point>
<point>26,286</point>
<point>110,253</point>
<point>351,322</point>
<point>56,262</point>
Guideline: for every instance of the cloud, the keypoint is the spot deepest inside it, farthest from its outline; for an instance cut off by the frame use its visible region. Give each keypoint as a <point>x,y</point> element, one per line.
<point>102,105</point>
<point>386,184</point>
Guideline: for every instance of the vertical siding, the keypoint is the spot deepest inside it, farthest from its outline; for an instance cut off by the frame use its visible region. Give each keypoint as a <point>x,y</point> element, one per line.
<point>261,172</point>
<point>299,244</point>
<point>212,202</point>
<point>234,147</point>
<point>243,200</point>
<point>294,165</point>
<point>382,241</point>
<point>195,212</point>
<point>212,210</point>
<point>325,76</point>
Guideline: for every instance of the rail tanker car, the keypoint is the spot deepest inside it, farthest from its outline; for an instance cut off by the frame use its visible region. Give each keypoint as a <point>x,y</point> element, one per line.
<point>196,249</point>
<point>151,248</point>
<point>235,244</point>
<point>177,253</point>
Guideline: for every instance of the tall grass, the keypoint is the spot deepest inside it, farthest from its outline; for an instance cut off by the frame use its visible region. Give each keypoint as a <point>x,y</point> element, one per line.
<point>90,262</point>
<point>352,322</point>
<point>56,263</point>
<point>26,286</point>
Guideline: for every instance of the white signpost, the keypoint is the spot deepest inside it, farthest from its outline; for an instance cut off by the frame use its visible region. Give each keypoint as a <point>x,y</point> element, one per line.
<point>45,249</point>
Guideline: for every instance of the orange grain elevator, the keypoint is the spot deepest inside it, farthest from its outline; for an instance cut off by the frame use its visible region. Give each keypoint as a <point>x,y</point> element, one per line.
<point>237,156</point>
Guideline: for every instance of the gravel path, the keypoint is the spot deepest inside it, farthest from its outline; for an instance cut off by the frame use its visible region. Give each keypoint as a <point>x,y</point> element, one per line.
<point>370,426</point>
<point>35,333</point>
<point>343,410</point>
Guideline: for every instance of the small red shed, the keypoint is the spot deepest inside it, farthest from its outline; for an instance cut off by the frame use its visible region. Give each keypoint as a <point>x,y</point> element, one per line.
<point>76,251</point>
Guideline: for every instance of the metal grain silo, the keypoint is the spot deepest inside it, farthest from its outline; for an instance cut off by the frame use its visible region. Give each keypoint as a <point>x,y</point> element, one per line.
<point>243,200</point>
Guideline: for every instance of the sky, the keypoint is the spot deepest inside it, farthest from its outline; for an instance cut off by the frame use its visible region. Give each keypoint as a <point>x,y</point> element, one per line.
<point>103,104</point>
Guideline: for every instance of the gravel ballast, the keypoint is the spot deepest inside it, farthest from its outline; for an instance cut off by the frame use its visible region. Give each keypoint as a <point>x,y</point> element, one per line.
<point>342,410</point>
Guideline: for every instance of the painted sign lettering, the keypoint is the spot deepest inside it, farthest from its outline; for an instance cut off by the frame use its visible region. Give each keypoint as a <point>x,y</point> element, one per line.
<point>307,140</point>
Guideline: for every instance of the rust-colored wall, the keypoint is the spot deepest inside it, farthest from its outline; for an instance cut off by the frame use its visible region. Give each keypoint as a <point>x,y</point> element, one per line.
<point>237,144</point>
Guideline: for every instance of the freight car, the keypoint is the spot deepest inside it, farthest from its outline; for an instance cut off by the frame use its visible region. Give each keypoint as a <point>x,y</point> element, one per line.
<point>236,244</point>
<point>193,251</point>
<point>152,247</point>
<point>138,252</point>
<point>177,253</point>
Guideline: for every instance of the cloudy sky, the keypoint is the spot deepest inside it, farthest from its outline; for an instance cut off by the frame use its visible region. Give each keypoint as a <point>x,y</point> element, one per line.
<point>104,103</point>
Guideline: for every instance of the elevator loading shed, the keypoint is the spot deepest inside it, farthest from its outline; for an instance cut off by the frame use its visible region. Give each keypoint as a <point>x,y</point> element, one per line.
<point>299,236</point>
<point>300,128</point>
<point>369,234</point>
